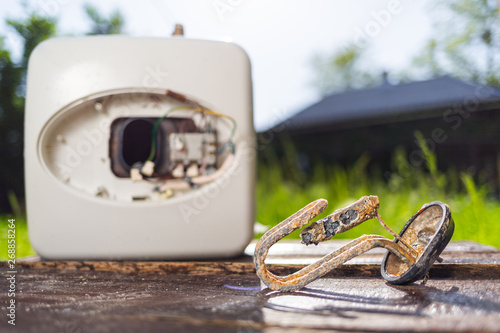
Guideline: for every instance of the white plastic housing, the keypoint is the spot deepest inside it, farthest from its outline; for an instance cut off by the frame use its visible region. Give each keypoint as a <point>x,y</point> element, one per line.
<point>77,208</point>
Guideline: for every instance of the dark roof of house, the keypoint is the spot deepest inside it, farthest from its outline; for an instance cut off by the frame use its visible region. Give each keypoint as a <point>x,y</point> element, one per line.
<point>389,103</point>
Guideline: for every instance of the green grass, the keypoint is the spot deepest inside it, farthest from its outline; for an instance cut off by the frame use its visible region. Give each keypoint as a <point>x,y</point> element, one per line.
<point>475,210</point>
<point>476,216</point>
<point>23,246</point>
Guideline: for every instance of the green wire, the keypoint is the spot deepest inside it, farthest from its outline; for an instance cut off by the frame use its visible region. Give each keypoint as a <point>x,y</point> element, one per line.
<point>230,140</point>
<point>157,123</point>
<point>155,129</point>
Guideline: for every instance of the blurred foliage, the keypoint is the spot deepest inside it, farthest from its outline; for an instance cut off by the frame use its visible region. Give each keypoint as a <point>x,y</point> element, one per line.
<point>342,71</point>
<point>32,30</point>
<point>465,45</point>
<point>23,245</point>
<point>467,42</point>
<point>104,26</point>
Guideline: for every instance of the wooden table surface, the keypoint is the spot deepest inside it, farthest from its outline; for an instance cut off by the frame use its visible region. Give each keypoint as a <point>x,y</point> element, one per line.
<point>463,294</point>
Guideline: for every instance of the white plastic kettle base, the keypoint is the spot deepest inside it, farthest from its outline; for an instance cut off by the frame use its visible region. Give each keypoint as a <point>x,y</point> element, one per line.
<point>139,148</point>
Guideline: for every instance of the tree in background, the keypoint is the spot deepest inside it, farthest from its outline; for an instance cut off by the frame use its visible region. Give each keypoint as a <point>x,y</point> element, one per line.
<point>104,26</point>
<point>468,44</point>
<point>341,71</point>
<point>467,48</point>
<point>33,30</point>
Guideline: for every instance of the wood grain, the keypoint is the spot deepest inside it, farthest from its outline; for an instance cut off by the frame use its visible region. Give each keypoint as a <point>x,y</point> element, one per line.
<point>462,295</point>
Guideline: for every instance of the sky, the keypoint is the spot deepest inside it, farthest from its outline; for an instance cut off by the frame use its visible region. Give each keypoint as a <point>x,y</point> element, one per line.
<point>280,36</point>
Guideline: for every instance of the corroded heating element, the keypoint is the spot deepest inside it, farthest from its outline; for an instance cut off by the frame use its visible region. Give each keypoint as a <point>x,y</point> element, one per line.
<point>341,220</point>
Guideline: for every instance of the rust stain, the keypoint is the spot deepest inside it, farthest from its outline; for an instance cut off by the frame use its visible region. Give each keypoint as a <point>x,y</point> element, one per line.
<point>403,254</point>
<point>341,220</point>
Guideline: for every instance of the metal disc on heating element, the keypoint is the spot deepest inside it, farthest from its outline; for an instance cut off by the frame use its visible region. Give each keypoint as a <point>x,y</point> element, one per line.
<point>428,231</point>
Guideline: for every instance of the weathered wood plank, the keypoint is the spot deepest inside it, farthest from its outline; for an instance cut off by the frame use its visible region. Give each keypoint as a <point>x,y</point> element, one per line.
<point>226,296</point>
<point>461,260</point>
<point>91,301</point>
<point>438,270</point>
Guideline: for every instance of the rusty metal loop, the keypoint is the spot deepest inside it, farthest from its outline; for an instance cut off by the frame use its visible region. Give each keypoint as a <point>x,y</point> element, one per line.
<point>330,261</point>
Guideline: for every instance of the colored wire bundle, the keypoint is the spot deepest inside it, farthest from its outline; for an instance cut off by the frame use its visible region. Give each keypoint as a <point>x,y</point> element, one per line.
<point>200,109</point>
